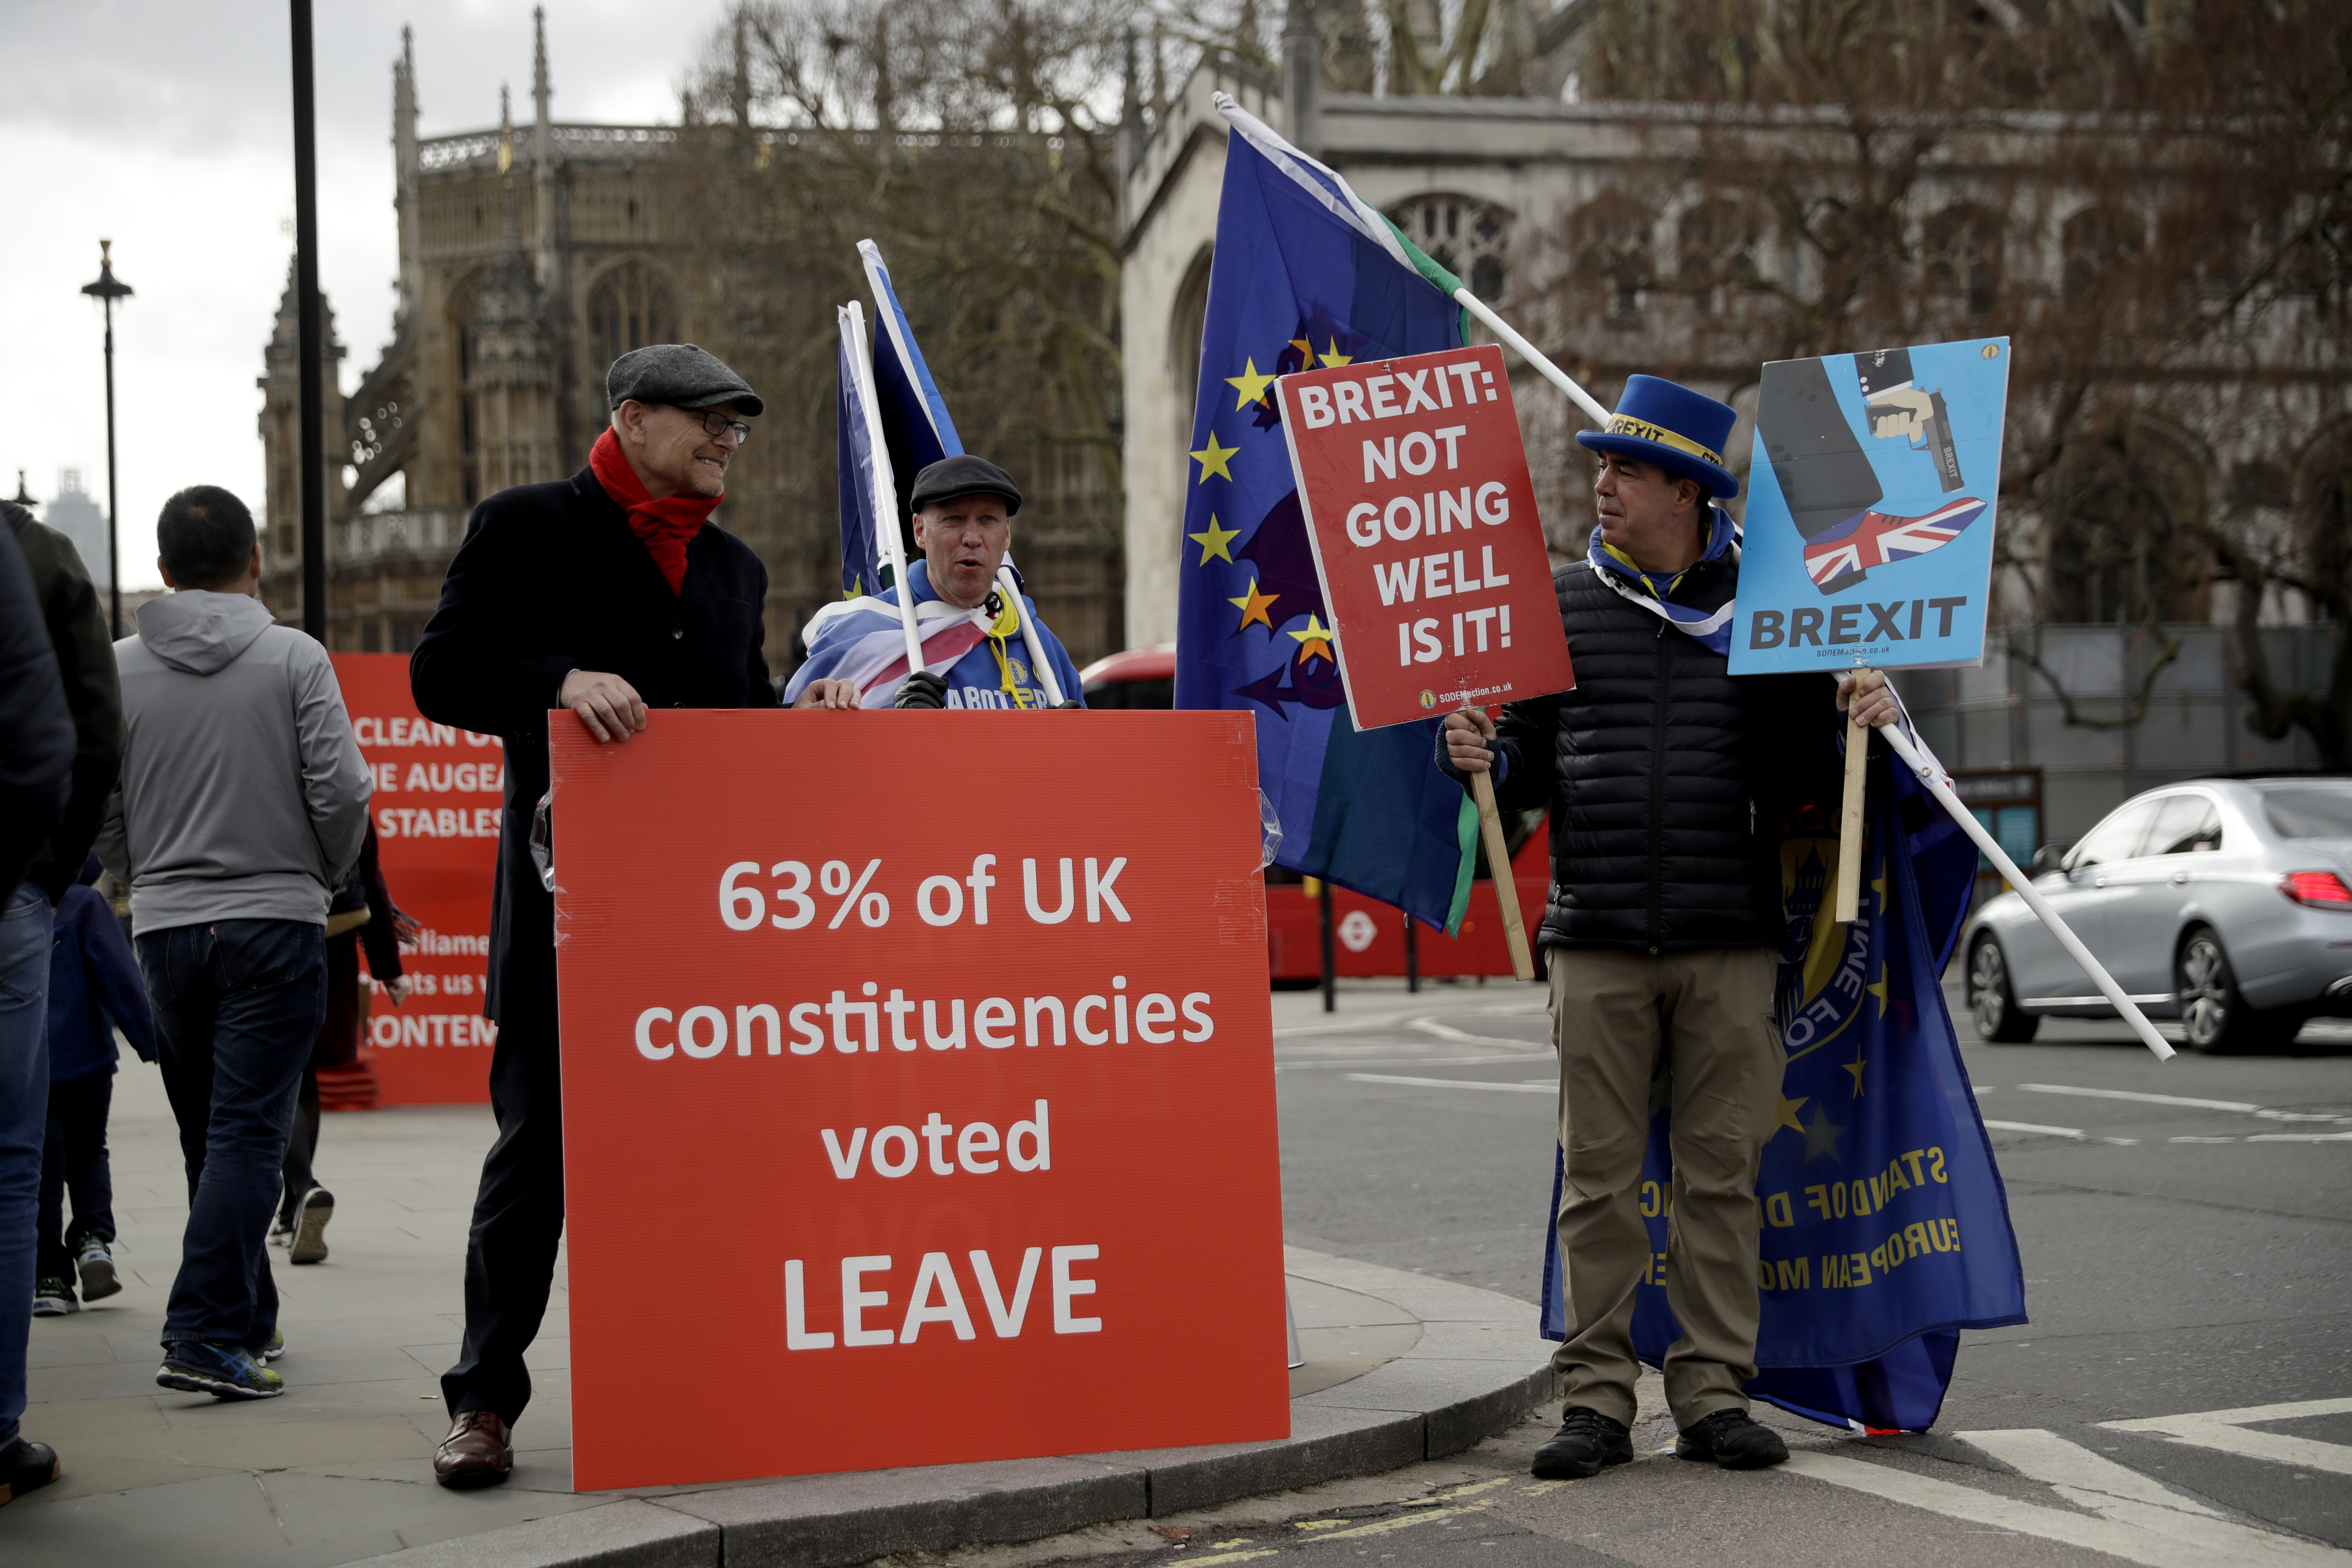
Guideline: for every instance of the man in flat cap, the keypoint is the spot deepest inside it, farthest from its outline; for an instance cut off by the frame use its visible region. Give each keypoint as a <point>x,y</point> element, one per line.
<point>974,655</point>
<point>607,593</point>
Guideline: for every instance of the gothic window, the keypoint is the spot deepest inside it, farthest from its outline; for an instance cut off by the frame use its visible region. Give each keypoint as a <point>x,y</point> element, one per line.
<point>465,305</point>
<point>1715,250</point>
<point>1609,242</point>
<point>2123,549</point>
<point>1963,246</point>
<point>1464,236</point>
<point>1184,337</point>
<point>2094,244</point>
<point>630,306</point>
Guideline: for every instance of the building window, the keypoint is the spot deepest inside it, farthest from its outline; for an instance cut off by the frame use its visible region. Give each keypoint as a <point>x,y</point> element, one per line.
<point>1963,246</point>
<point>630,306</point>
<point>1609,240</point>
<point>2095,243</point>
<point>1715,252</point>
<point>1464,236</point>
<point>403,636</point>
<point>371,636</point>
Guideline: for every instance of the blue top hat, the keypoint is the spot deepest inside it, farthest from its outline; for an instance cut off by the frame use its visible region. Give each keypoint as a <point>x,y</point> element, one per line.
<point>1680,430</point>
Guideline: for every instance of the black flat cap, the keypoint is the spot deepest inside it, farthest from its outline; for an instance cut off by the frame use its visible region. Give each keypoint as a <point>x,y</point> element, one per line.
<point>964,475</point>
<point>680,375</point>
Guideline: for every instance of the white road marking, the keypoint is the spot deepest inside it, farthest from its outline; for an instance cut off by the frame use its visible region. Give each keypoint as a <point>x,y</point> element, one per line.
<point>2056,1131</point>
<point>1546,1086</point>
<point>1448,1032</point>
<point>2299,1138</point>
<point>2155,1535</point>
<point>2226,1430</point>
<point>2238,1106</point>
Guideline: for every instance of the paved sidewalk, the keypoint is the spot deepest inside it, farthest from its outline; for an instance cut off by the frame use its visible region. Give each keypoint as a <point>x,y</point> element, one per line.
<point>337,1469</point>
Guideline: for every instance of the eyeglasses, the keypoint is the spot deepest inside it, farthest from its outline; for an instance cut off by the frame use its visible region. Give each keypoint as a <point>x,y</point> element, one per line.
<point>717,423</point>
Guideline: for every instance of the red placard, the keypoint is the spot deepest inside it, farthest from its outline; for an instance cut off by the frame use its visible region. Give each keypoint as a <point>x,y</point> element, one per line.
<point>971,1047</point>
<point>435,812</point>
<point>1414,483</point>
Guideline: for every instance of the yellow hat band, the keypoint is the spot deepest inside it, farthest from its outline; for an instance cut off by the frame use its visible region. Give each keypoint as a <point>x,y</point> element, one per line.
<point>1626,424</point>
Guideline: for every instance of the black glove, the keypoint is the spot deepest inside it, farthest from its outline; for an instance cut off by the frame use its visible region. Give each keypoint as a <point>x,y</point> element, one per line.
<point>1072,702</point>
<point>921,689</point>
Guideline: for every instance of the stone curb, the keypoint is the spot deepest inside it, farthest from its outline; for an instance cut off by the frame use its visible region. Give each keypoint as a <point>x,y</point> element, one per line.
<point>1477,1369</point>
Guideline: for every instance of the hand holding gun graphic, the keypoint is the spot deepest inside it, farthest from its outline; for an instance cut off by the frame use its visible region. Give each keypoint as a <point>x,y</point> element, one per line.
<point>1907,414</point>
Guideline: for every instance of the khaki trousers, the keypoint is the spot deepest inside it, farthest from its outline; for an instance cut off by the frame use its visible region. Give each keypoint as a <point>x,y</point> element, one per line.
<point>1705,1017</point>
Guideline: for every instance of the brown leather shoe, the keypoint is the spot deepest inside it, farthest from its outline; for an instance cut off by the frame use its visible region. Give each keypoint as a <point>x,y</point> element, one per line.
<point>477,1452</point>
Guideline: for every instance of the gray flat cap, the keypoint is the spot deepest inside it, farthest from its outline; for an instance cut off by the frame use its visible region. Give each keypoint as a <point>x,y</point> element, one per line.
<point>680,375</point>
<point>964,475</point>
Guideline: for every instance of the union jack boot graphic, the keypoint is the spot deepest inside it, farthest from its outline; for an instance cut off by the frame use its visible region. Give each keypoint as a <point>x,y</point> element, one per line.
<point>1838,558</point>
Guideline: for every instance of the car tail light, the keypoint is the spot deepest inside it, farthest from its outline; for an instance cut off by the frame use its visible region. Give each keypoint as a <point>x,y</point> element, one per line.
<point>2318,890</point>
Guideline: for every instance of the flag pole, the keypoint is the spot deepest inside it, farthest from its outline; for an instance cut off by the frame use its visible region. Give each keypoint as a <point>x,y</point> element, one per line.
<point>1038,662</point>
<point>886,484</point>
<point>1535,356</point>
<point>1933,777</point>
<point>1849,870</point>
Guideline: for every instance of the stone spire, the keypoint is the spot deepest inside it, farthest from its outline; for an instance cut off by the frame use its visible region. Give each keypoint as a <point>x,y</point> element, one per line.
<point>407,169</point>
<point>542,152</point>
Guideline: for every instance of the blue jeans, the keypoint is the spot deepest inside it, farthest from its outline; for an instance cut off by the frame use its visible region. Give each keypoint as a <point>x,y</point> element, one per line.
<point>25,932</point>
<point>237,1008</point>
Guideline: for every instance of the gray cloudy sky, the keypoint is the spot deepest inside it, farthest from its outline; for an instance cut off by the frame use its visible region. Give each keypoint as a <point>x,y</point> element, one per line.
<point>165,126</point>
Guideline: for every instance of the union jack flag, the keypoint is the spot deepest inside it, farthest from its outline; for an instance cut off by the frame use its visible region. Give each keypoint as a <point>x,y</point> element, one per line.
<point>1837,558</point>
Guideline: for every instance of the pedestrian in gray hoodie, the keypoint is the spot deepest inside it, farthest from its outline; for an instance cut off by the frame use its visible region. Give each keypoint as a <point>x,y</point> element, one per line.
<point>242,807</point>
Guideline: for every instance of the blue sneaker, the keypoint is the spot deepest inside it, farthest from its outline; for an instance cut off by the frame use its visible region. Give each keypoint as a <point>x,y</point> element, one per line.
<point>270,1350</point>
<point>225,1372</point>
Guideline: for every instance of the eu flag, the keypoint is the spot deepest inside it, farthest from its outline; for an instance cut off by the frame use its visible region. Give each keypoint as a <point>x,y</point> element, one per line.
<point>1305,276</point>
<point>1886,1229</point>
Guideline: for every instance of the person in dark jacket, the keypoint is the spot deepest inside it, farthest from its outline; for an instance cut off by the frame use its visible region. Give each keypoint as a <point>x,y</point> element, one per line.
<point>77,628</point>
<point>94,989</point>
<point>607,593</point>
<point>1667,780</point>
<point>360,913</point>
<point>36,759</point>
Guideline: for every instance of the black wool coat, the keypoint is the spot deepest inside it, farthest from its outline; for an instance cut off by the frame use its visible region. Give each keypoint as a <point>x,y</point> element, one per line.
<point>551,579</point>
<point>1667,778</point>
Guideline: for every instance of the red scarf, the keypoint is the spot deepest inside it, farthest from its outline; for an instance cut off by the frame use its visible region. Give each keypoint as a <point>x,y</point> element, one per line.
<point>666,527</point>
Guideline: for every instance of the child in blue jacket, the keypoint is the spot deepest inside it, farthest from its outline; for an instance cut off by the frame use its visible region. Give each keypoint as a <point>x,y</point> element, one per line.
<point>94,988</point>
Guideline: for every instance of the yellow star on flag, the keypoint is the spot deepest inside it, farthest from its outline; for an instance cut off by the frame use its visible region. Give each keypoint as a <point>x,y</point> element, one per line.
<point>1314,640</point>
<point>1214,459</point>
<point>1254,606</point>
<point>1854,1066</point>
<point>1789,1114</point>
<point>1334,357</point>
<point>1212,543</point>
<point>1249,383</point>
<point>1878,989</point>
<point>1305,352</point>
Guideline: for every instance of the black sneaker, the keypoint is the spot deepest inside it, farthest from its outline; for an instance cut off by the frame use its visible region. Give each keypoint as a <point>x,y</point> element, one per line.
<point>94,1261</point>
<point>308,1242</point>
<point>225,1372</point>
<point>1585,1443</point>
<point>53,1297</point>
<point>1730,1439</point>
<point>26,1467</point>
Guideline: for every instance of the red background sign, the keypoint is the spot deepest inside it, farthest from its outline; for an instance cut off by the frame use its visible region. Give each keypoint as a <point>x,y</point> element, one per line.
<point>1423,518</point>
<point>994,1188</point>
<point>436,811</point>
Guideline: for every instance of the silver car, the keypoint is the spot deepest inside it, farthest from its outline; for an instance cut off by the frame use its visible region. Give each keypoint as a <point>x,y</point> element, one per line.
<point>2225,904</point>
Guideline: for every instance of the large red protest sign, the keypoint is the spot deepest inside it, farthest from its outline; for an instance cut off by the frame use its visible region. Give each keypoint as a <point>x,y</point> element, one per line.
<point>968,1037</point>
<point>435,809</point>
<point>1422,516</point>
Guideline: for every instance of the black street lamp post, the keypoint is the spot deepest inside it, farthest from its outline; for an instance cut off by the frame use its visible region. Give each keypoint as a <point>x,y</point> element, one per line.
<point>311,332</point>
<point>106,292</point>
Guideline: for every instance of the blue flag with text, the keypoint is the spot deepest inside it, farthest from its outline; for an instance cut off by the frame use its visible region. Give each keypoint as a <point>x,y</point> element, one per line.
<point>1886,1229</point>
<point>1305,274</point>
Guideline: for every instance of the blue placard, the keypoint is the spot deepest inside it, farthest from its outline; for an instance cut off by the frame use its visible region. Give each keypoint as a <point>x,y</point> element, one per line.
<point>1870,505</point>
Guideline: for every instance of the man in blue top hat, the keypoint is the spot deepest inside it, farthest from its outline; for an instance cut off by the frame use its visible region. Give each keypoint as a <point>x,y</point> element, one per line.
<point>1667,782</point>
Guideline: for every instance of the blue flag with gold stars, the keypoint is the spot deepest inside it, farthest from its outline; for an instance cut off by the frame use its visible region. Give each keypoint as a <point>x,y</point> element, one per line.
<point>1305,276</point>
<point>1884,1227</point>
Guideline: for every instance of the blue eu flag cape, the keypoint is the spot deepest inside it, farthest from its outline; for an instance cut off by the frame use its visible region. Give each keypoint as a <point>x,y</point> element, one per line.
<point>916,430</point>
<point>1886,1229</point>
<point>1306,275</point>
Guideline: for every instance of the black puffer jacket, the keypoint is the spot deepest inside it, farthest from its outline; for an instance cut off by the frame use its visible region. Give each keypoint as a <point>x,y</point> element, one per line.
<point>1666,778</point>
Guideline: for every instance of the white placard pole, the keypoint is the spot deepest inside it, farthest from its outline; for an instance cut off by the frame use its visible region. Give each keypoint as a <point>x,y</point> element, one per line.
<point>886,492</point>
<point>1038,664</point>
<point>1933,777</point>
